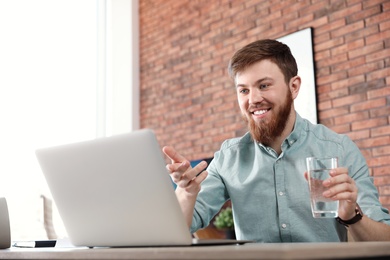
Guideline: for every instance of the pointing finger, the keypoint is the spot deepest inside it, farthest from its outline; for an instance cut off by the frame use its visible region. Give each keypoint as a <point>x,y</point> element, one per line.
<point>173,155</point>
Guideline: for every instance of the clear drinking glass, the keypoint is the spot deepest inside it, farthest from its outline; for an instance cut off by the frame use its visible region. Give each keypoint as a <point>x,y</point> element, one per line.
<point>318,170</point>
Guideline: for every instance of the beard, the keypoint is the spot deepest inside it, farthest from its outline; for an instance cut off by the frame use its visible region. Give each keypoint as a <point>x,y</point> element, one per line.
<point>264,132</point>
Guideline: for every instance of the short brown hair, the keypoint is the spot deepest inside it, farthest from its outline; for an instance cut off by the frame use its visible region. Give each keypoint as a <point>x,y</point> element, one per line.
<point>267,49</point>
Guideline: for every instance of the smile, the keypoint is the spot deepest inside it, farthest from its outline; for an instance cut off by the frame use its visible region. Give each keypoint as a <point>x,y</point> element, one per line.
<point>260,112</point>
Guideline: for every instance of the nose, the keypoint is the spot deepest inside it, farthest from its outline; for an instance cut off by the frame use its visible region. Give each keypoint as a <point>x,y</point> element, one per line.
<point>255,96</point>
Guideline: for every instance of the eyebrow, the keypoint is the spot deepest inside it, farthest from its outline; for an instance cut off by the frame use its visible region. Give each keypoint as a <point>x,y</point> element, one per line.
<point>259,81</point>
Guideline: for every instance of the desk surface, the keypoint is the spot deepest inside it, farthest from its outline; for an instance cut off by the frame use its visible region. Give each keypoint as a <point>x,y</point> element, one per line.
<point>353,250</point>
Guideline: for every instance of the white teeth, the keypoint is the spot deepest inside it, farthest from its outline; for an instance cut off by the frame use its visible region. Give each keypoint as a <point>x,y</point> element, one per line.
<point>259,112</point>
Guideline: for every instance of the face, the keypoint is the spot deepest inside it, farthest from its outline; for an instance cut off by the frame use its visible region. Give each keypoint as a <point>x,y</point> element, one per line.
<point>265,100</point>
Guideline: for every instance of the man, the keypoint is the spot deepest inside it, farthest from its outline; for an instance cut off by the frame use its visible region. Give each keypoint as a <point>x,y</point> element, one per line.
<point>263,172</point>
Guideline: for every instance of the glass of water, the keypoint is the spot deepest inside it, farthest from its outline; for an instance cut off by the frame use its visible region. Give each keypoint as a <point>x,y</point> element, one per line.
<point>318,170</point>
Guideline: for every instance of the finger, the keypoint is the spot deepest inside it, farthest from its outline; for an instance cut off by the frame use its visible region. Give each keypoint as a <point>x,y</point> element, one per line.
<point>177,170</point>
<point>337,179</point>
<point>338,171</point>
<point>194,185</point>
<point>342,191</point>
<point>201,177</point>
<point>345,196</point>
<point>194,172</point>
<point>339,188</point>
<point>173,155</point>
<point>190,175</point>
<point>178,174</point>
<point>178,167</point>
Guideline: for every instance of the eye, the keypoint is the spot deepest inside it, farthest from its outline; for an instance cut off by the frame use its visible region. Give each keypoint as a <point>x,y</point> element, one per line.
<point>263,86</point>
<point>243,91</point>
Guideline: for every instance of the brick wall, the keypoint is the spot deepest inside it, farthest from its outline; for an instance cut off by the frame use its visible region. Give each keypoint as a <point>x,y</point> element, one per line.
<point>188,99</point>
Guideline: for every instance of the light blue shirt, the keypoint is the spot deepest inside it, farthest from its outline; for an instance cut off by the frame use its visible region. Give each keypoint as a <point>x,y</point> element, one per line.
<point>269,193</point>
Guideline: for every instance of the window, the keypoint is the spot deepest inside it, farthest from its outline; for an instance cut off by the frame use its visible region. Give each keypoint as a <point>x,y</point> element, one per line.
<point>58,85</point>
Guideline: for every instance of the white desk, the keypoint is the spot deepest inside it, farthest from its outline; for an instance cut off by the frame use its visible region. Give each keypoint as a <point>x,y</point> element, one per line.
<point>364,250</point>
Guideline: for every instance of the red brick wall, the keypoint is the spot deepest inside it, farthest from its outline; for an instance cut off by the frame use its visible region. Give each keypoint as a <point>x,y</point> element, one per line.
<point>188,99</point>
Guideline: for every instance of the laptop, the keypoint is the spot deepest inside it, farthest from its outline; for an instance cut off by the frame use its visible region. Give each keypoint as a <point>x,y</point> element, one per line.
<point>116,192</point>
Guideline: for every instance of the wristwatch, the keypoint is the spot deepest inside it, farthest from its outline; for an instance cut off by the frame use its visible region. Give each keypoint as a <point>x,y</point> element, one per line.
<point>356,218</point>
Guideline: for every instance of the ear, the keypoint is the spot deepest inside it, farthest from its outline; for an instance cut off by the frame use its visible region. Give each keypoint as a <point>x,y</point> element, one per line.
<point>295,85</point>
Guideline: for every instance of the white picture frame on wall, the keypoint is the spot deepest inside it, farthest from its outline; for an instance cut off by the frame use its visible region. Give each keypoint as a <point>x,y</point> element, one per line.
<point>301,46</point>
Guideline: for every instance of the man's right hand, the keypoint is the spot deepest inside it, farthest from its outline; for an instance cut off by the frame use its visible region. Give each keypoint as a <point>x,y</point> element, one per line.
<point>187,179</point>
<point>183,174</point>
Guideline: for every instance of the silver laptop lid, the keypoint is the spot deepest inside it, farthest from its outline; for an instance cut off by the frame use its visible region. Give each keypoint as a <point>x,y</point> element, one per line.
<point>114,191</point>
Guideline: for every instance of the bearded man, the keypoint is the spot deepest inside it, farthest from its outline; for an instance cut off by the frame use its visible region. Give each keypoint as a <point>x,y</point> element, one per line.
<point>263,172</point>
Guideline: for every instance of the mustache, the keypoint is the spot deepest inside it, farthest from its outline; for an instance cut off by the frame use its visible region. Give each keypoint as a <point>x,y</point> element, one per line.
<point>262,105</point>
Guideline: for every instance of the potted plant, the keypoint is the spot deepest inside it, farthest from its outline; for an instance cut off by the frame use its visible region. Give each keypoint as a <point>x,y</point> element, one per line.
<point>224,221</point>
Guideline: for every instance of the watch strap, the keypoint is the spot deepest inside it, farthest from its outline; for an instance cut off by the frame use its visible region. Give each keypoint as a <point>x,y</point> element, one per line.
<point>358,216</point>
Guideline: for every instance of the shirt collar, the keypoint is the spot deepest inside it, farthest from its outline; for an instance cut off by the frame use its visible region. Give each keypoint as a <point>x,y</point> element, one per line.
<point>299,126</point>
<point>297,130</point>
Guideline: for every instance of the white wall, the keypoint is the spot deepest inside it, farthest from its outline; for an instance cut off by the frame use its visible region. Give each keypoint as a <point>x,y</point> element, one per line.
<point>58,85</point>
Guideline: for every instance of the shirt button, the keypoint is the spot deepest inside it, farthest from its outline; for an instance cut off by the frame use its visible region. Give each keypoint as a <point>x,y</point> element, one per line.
<point>281,193</point>
<point>284,226</point>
